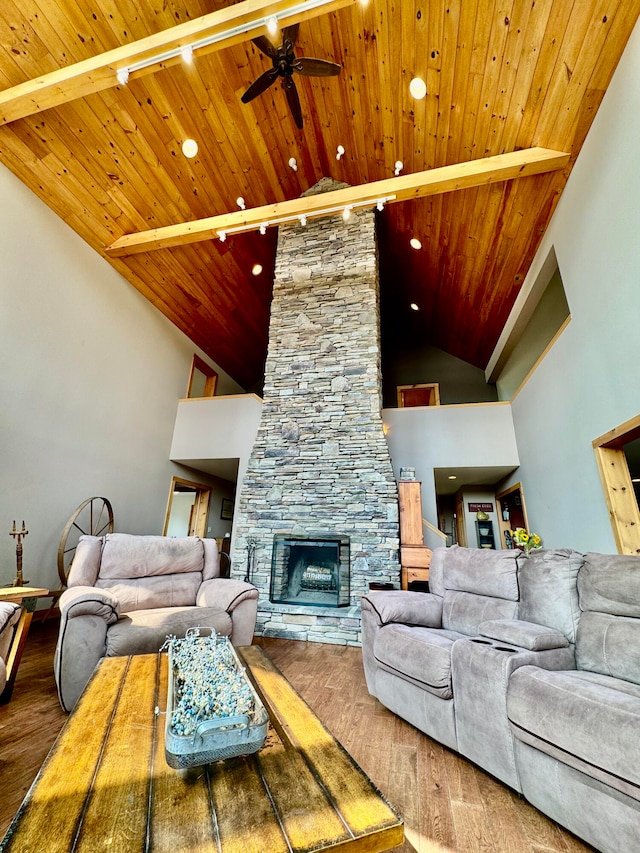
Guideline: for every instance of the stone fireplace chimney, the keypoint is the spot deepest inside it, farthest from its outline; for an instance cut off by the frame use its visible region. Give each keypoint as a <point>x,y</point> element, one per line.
<point>320,469</point>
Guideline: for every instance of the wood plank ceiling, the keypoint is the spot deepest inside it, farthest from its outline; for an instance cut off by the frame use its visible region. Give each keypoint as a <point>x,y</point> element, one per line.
<point>501,75</point>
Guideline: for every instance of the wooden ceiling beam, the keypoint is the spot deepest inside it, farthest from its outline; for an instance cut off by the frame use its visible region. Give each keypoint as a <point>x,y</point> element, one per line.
<point>231,25</point>
<point>502,167</point>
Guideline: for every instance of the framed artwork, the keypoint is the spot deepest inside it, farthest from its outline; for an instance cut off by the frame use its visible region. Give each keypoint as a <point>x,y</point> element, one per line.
<point>226,512</point>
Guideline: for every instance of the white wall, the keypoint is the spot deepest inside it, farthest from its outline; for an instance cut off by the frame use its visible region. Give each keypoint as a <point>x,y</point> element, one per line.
<point>90,377</point>
<point>474,436</point>
<point>590,381</point>
<point>218,428</point>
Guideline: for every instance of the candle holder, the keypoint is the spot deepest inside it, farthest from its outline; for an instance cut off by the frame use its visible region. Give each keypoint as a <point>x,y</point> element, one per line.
<point>19,535</point>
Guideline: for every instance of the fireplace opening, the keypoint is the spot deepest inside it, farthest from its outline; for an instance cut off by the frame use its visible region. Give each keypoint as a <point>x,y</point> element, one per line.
<point>310,570</point>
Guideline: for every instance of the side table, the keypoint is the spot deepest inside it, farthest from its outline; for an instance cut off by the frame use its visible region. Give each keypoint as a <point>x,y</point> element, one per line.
<point>27,596</point>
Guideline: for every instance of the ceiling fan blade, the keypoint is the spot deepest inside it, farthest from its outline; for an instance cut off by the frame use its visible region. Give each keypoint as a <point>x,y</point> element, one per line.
<point>310,67</point>
<point>294,101</point>
<point>290,34</point>
<point>260,85</point>
<point>263,44</point>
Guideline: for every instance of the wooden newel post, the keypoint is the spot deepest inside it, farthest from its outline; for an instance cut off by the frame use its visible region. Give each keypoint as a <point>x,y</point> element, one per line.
<point>19,535</point>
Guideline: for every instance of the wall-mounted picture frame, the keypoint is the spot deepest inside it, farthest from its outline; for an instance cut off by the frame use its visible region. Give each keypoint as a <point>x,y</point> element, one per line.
<point>226,512</point>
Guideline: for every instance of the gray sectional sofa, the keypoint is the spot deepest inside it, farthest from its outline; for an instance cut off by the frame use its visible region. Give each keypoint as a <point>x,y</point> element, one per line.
<point>529,667</point>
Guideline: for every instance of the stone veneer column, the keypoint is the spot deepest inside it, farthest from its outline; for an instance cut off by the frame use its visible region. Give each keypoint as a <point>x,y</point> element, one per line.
<point>320,464</point>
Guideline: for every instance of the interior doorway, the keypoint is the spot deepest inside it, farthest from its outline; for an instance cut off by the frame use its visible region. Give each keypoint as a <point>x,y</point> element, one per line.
<point>618,457</point>
<point>512,513</point>
<point>187,508</point>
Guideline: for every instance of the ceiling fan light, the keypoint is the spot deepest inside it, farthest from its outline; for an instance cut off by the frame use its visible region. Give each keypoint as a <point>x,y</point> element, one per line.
<point>418,88</point>
<point>272,25</point>
<point>189,148</point>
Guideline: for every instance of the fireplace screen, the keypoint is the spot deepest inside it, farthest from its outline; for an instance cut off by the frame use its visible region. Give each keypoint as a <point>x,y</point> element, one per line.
<point>310,571</point>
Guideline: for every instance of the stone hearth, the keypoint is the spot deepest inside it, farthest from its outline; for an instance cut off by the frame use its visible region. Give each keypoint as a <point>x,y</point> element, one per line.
<point>320,466</point>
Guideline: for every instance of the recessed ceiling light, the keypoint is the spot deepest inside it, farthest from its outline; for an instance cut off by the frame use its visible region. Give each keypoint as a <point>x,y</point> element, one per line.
<point>452,477</point>
<point>418,88</point>
<point>190,148</point>
<point>415,243</point>
<point>414,307</point>
<point>256,269</point>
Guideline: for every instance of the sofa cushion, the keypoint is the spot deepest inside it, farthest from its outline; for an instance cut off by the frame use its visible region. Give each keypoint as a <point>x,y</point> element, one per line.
<point>610,583</point>
<point>129,556</point>
<point>86,561</point>
<point>145,631</point>
<point>179,590</point>
<point>587,720</point>
<point>549,591</point>
<point>484,572</point>
<point>436,569</point>
<point>609,645</point>
<point>419,655</point>
<point>463,611</point>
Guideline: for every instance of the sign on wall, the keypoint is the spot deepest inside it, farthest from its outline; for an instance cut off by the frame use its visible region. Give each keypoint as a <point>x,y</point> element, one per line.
<point>486,507</point>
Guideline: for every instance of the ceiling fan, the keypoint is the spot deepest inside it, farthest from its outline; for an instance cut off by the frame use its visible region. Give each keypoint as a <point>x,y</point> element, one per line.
<point>285,63</point>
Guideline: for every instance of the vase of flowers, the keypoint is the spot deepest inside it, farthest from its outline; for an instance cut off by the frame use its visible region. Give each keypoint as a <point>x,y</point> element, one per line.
<point>525,540</point>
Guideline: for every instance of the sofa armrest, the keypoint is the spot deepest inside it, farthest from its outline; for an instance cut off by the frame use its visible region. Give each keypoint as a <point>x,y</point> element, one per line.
<point>85,615</point>
<point>525,635</point>
<point>405,607</point>
<point>239,599</point>
<point>89,601</point>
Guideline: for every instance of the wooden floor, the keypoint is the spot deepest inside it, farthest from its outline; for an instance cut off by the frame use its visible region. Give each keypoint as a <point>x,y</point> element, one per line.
<point>449,806</point>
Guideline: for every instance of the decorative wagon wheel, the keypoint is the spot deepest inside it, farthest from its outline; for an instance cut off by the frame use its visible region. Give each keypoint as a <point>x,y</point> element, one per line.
<point>94,517</point>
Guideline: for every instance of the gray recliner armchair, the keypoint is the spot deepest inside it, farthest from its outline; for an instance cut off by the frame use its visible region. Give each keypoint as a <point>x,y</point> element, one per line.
<point>127,593</point>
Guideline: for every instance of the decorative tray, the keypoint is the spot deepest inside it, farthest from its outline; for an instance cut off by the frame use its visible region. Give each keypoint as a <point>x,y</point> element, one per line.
<point>213,710</point>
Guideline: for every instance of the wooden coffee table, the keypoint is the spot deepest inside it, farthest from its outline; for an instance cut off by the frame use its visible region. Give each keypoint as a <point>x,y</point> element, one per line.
<point>106,786</point>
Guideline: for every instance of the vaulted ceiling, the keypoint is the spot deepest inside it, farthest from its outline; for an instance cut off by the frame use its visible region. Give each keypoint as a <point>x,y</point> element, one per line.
<point>501,76</point>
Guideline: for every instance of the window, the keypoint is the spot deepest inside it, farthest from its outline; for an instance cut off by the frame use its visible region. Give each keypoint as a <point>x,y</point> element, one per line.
<point>202,379</point>
<point>618,456</point>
